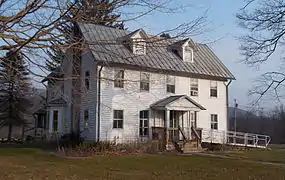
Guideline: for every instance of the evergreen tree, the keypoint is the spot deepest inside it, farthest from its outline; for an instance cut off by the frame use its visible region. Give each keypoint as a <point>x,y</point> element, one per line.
<point>88,11</point>
<point>14,82</point>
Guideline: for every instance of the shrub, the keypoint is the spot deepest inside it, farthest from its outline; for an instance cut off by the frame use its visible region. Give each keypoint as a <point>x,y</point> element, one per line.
<point>72,139</point>
<point>109,148</point>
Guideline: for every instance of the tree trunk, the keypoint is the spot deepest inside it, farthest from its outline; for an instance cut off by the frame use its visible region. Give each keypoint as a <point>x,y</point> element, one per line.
<point>10,132</point>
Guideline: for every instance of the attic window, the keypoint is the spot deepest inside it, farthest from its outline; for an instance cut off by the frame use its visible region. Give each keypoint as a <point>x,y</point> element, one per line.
<point>188,54</point>
<point>139,46</point>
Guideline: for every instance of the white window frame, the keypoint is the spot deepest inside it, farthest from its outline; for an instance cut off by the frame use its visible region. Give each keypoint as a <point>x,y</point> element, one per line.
<point>188,50</point>
<point>194,87</point>
<point>86,118</point>
<point>214,122</point>
<point>142,123</point>
<point>117,119</point>
<point>142,81</point>
<point>139,46</point>
<point>213,87</point>
<point>170,84</point>
<point>118,80</point>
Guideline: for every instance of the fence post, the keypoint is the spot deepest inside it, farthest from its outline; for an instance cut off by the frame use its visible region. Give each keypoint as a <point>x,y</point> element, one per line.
<point>245,139</point>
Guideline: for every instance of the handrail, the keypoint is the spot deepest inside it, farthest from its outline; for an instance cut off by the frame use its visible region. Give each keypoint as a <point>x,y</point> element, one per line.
<point>195,132</point>
<point>182,132</point>
<point>236,138</point>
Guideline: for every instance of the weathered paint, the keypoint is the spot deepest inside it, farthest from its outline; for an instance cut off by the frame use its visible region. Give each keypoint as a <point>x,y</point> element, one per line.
<point>132,100</point>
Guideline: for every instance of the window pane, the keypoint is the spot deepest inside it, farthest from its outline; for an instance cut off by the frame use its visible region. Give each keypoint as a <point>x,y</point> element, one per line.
<point>118,114</point>
<point>141,132</point>
<point>115,124</point>
<point>145,123</point>
<point>213,93</point>
<point>87,83</point>
<point>170,88</point>
<point>170,80</point>
<point>145,77</point>
<point>145,114</point>
<point>87,73</point>
<point>144,86</point>
<point>141,114</point>
<point>120,123</point>
<point>141,123</point>
<point>213,84</point>
<point>145,132</point>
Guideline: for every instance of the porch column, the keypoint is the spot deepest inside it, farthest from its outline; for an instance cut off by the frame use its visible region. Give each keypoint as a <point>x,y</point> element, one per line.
<point>166,125</point>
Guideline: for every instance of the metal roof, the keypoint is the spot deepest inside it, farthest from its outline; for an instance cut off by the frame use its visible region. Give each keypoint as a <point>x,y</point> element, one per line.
<point>108,46</point>
<point>164,102</point>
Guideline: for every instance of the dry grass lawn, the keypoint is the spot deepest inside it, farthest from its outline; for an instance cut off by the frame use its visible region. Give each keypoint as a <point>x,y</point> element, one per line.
<point>35,164</point>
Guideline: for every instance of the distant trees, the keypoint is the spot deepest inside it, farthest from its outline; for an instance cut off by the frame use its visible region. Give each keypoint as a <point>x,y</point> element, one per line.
<point>14,84</point>
<point>271,123</point>
<point>100,12</point>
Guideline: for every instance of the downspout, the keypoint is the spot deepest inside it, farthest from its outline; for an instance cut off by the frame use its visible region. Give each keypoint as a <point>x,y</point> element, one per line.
<point>227,102</point>
<point>99,103</point>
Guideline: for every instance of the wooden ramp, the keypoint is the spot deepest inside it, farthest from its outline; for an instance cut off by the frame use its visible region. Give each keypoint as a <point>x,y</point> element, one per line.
<point>235,138</point>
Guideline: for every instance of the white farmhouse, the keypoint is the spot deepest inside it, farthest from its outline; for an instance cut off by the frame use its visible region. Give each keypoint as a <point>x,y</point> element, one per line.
<point>134,86</point>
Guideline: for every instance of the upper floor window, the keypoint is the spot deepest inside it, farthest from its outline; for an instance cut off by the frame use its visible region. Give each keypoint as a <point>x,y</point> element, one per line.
<point>118,119</point>
<point>214,121</point>
<point>144,81</point>
<point>119,78</point>
<point>213,89</point>
<point>139,46</point>
<point>86,118</point>
<point>144,123</point>
<point>193,87</point>
<point>188,54</point>
<point>170,84</point>
<point>87,79</point>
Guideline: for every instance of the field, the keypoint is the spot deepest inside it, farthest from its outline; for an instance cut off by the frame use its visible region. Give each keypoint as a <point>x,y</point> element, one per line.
<point>35,164</point>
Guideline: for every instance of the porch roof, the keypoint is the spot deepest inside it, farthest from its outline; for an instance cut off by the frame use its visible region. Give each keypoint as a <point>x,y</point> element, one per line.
<point>57,101</point>
<point>177,102</point>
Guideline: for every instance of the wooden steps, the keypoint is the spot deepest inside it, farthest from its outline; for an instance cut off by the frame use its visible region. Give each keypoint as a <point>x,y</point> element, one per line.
<point>192,146</point>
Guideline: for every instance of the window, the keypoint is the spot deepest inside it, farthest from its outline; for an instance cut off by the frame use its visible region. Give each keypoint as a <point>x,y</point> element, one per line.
<point>170,84</point>
<point>144,83</point>
<point>193,87</point>
<point>119,78</point>
<point>55,120</point>
<point>86,118</point>
<point>143,123</point>
<point>41,121</point>
<point>214,121</point>
<point>118,118</point>
<point>87,79</point>
<point>139,46</point>
<point>188,54</point>
<point>193,119</point>
<point>213,89</point>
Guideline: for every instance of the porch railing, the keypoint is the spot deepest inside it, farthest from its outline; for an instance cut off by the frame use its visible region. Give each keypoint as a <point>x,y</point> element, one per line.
<point>236,138</point>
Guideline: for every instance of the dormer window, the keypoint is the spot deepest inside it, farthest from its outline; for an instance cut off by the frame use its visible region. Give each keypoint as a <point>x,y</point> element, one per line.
<point>188,54</point>
<point>139,46</point>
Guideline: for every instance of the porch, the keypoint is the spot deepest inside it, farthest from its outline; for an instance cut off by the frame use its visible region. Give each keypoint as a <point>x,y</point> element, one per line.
<point>175,121</point>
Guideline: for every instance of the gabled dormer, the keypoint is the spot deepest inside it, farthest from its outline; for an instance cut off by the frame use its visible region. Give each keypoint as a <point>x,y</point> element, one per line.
<point>137,41</point>
<point>184,49</point>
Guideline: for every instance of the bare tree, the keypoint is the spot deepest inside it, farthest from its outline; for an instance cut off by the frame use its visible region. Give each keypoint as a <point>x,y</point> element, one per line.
<point>265,22</point>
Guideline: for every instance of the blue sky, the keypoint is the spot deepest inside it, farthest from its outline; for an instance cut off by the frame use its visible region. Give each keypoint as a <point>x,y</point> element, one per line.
<point>221,33</point>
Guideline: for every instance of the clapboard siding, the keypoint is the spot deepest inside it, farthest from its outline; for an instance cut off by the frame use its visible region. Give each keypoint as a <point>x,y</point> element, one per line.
<point>89,97</point>
<point>132,100</point>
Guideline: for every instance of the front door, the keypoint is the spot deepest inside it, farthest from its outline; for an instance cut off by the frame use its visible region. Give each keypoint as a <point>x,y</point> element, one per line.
<point>173,125</point>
